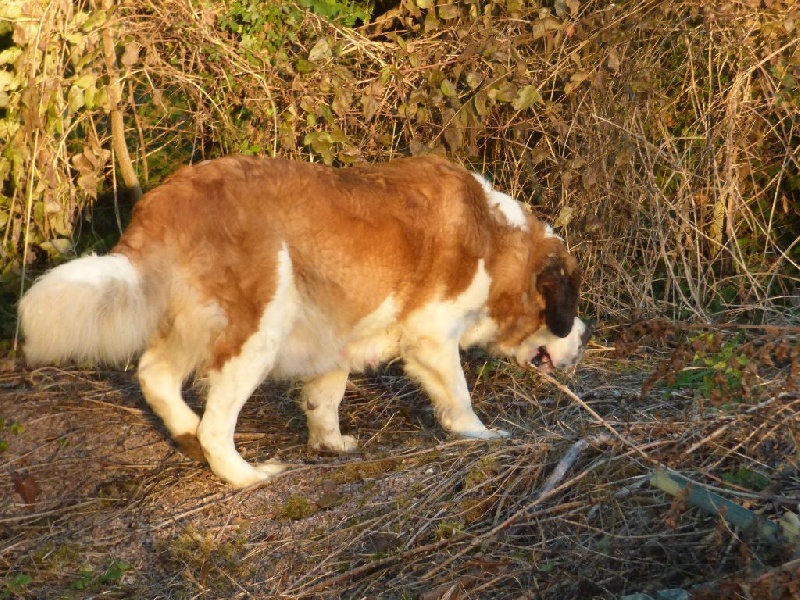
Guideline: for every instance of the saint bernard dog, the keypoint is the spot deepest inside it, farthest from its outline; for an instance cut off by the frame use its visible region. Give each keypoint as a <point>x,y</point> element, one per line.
<point>242,268</point>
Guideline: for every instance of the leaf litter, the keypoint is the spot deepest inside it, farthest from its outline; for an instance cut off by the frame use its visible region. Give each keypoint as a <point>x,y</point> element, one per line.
<point>563,509</point>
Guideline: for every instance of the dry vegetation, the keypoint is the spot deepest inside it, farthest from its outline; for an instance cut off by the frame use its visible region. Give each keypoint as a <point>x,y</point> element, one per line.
<point>661,140</point>
<point>112,507</point>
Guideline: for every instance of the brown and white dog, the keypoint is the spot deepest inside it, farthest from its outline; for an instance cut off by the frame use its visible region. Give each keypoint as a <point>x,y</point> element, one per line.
<point>243,268</point>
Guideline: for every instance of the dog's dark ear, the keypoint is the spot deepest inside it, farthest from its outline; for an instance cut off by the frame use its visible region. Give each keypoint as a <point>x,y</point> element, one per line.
<point>559,284</point>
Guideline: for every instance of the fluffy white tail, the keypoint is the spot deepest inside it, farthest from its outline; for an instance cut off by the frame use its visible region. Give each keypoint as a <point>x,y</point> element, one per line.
<point>93,309</point>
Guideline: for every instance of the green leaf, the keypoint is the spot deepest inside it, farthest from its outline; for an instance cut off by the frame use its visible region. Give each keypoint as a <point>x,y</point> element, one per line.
<point>304,66</point>
<point>9,55</point>
<point>96,19</point>
<point>85,81</point>
<point>448,88</point>
<point>527,97</point>
<point>321,51</point>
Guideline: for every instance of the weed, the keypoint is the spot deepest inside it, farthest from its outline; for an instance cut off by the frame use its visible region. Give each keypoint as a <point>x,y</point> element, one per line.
<point>56,558</point>
<point>11,427</point>
<point>90,580</point>
<point>15,586</point>
<point>746,478</point>
<point>718,370</point>
<point>447,529</point>
<point>364,471</point>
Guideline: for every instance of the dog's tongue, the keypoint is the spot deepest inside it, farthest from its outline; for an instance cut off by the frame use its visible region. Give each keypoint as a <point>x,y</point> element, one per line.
<point>542,361</point>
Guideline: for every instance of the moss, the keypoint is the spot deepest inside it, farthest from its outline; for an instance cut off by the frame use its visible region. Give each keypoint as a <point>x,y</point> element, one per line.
<point>484,470</point>
<point>363,471</point>
<point>209,559</point>
<point>297,507</point>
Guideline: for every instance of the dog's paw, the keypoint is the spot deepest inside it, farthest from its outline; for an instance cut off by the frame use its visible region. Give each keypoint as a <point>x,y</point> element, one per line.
<point>246,475</point>
<point>269,468</point>
<point>338,444</point>
<point>484,434</point>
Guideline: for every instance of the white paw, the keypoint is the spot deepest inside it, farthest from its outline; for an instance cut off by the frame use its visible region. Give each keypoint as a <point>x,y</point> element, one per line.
<point>245,476</point>
<point>484,434</point>
<point>268,469</point>
<point>340,443</point>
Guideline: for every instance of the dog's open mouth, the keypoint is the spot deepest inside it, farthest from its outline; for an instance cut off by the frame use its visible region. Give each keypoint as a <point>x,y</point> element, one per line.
<point>542,360</point>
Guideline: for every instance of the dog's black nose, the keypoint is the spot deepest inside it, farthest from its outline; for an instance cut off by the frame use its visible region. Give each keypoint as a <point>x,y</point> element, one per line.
<point>587,333</point>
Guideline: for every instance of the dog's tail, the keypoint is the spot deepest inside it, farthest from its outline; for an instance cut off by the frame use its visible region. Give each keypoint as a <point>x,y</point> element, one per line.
<point>94,309</point>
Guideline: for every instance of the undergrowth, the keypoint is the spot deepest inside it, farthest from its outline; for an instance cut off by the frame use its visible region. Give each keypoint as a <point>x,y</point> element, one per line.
<point>658,137</point>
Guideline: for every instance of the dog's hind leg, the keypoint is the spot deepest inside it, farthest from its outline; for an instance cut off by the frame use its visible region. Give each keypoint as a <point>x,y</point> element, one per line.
<point>232,383</point>
<point>320,401</point>
<point>162,371</point>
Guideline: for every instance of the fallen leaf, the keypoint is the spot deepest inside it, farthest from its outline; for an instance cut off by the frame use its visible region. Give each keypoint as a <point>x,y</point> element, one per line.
<point>26,487</point>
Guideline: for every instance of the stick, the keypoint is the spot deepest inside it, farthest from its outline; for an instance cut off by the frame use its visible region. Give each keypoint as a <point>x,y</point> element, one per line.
<point>703,498</point>
<point>597,417</point>
<point>567,461</point>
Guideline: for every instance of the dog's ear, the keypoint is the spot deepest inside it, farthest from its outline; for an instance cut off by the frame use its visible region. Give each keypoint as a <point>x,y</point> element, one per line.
<point>559,284</point>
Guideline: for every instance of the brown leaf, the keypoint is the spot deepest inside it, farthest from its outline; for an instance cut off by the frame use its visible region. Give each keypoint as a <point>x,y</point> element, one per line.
<point>131,55</point>
<point>26,487</point>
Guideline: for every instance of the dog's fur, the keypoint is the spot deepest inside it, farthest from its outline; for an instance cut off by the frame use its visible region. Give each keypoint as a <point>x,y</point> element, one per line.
<point>241,268</point>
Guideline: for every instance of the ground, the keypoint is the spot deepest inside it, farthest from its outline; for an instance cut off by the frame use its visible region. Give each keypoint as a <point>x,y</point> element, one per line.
<point>96,502</point>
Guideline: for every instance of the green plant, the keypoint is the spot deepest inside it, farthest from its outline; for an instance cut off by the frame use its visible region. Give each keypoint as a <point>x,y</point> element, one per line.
<point>214,561</point>
<point>718,369</point>
<point>746,478</point>
<point>111,576</point>
<point>12,427</point>
<point>15,586</point>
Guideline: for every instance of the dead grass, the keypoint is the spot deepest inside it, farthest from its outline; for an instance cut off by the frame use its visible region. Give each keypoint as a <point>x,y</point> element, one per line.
<point>118,512</point>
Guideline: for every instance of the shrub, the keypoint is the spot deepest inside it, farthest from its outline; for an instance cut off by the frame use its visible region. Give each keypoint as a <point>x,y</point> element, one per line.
<point>659,137</point>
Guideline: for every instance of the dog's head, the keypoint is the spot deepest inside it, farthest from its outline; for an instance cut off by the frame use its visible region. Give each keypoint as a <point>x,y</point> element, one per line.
<point>560,342</point>
<point>537,315</point>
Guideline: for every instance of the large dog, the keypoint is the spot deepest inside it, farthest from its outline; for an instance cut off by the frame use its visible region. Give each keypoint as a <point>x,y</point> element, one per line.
<point>242,268</point>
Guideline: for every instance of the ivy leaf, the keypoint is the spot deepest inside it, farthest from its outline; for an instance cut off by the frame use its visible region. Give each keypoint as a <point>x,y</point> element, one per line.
<point>85,81</point>
<point>57,248</point>
<point>96,19</point>
<point>9,55</point>
<point>7,81</point>
<point>565,216</point>
<point>574,7</point>
<point>304,66</point>
<point>75,99</point>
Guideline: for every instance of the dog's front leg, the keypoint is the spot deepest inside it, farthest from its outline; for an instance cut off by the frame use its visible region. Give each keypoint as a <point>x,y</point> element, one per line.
<point>320,401</point>
<point>436,365</point>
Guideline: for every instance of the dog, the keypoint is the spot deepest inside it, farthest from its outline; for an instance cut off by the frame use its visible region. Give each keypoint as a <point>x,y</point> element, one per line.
<point>240,268</point>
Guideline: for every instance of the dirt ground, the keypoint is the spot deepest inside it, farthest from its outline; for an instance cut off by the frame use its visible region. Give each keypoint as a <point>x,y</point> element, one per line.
<point>95,501</point>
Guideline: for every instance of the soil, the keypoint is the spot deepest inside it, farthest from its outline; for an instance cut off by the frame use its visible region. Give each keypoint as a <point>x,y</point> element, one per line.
<point>96,501</point>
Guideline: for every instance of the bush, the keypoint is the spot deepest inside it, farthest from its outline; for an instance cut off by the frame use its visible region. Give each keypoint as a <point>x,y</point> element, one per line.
<point>659,138</point>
